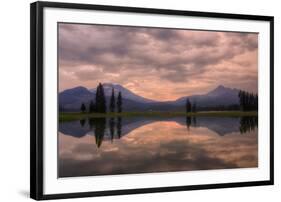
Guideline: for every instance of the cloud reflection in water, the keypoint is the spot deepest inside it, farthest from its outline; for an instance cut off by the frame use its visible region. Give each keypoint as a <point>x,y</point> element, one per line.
<point>158,146</point>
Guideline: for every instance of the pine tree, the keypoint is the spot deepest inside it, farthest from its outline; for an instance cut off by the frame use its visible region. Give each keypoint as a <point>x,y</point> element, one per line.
<point>188,106</point>
<point>194,107</point>
<point>240,99</point>
<point>83,107</point>
<point>100,99</point>
<point>103,100</point>
<point>248,101</point>
<point>245,96</point>
<point>112,101</point>
<point>256,102</point>
<point>92,107</point>
<point>119,102</point>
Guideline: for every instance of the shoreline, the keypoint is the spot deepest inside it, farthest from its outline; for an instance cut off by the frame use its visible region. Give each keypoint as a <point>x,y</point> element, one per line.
<point>72,116</point>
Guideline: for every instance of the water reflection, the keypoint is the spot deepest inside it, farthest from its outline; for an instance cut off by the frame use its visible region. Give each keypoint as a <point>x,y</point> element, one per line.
<point>194,122</point>
<point>248,124</point>
<point>98,146</point>
<point>112,128</point>
<point>188,122</point>
<point>99,124</point>
<point>82,122</point>
<point>119,126</point>
<point>220,125</point>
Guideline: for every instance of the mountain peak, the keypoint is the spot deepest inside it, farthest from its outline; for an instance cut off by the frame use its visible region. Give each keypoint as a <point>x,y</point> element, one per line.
<point>219,90</point>
<point>77,89</point>
<point>220,87</point>
<point>71,99</point>
<point>126,93</point>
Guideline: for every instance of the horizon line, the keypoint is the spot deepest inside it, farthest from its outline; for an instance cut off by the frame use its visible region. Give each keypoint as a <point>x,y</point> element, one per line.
<point>89,89</point>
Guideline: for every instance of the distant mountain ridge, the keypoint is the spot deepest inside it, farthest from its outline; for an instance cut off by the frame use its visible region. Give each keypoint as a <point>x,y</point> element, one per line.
<point>220,96</point>
<point>71,99</point>
<point>125,92</point>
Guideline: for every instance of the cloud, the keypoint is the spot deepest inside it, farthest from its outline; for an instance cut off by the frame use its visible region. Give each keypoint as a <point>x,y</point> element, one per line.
<point>159,56</point>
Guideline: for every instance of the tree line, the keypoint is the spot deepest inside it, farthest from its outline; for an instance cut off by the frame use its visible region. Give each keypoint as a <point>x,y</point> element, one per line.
<point>248,101</point>
<point>99,106</point>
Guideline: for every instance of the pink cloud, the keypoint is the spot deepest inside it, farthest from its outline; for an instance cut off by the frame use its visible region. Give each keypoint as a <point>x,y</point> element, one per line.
<point>161,63</point>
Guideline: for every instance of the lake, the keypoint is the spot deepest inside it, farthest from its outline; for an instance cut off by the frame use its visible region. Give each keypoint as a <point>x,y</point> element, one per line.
<point>109,146</point>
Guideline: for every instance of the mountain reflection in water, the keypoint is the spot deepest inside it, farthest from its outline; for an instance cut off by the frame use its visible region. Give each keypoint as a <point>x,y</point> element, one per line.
<point>107,146</point>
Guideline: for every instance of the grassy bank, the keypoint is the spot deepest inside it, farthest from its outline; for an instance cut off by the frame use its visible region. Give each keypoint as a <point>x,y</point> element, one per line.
<point>71,116</point>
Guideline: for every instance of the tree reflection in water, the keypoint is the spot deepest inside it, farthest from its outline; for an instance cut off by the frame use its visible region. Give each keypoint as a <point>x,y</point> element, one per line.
<point>194,122</point>
<point>248,124</point>
<point>91,122</point>
<point>82,122</point>
<point>112,127</point>
<point>167,143</point>
<point>99,126</point>
<point>188,122</point>
<point>119,126</point>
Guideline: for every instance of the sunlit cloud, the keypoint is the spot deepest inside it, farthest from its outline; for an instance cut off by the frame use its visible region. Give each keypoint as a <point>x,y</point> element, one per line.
<point>161,64</point>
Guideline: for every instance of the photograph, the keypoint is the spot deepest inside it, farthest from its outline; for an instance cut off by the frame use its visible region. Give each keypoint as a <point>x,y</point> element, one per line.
<point>140,99</point>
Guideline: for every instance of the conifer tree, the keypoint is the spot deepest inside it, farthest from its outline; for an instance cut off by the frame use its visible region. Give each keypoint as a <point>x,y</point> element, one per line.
<point>119,102</point>
<point>92,107</point>
<point>188,106</point>
<point>103,100</point>
<point>83,107</point>
<point>112,101</point>
<point>194,107</point>
<point>100,99</point>
<point>248,101</point>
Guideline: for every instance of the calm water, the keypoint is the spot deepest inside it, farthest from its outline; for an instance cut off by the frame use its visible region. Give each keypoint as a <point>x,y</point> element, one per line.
<point>100,146</point>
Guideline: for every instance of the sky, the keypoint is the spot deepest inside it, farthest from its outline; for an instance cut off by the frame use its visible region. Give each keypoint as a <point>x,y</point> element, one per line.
<point>156,63</point>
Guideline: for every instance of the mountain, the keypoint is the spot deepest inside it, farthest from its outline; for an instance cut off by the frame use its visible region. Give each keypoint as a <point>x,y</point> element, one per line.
<point>220,96</point>
<point>127,94</point>
<point>71,99</point>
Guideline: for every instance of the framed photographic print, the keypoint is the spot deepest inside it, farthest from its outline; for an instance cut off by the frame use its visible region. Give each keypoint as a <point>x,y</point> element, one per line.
<point>136,100</point>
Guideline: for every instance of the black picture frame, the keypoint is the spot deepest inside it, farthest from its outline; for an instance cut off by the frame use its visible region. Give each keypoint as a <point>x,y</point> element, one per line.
<point>36,99</point>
